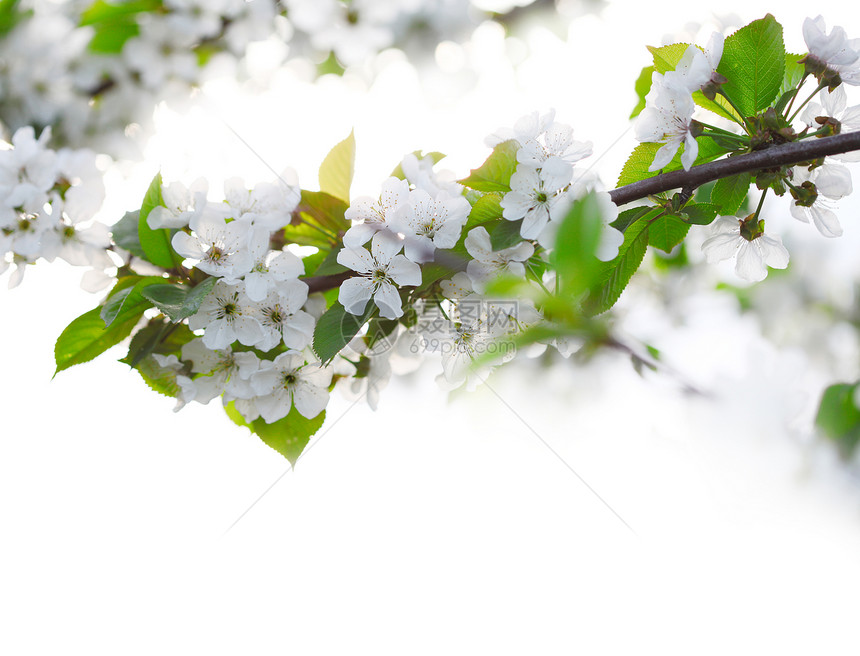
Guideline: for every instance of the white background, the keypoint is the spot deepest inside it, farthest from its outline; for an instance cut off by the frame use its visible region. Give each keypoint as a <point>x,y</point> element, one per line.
<point>432,526</point>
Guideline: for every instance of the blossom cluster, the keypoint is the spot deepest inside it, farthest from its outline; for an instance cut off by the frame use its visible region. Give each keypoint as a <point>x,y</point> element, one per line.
<point>49,199</point>
<point>257,322</point>
<point>95,72</point>
<point>671,117</point>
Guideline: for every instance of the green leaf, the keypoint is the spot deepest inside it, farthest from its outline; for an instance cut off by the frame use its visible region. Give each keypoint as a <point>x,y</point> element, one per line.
<point>101,11</point>
<point>838,417</point>
<point>666,59</point>
<point>618,272</point>
<point>114,23</point>
<point>628,217</point>
<point>486,208</point>
<point>435,155</point>
<point>794,72</point>
<point>125,233</point>
<point>337,169</point>
<point>109,38</point>
<point>636,167</point>
<point>642,86</point>
<point>158,379</point>
<point>128,301</point>
<point>324,211</point>
<point>288,436</point>
<point>331,66</point>
<point>667,232</point>
<point>158,336</point>
<point>87,337</point>
<point>330,266</point>
<point>336,328</point>
<point>495,173</point>
<point>700,213</point>
<point>155,243</point>
<point>576,243</point>
<point>177,301</point>
<point>505,234</point>
<point>729,193</point>
<point>754,64</point>
<point>11,15</point>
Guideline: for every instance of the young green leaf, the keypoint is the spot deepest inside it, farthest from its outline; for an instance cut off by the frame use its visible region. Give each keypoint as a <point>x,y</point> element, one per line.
<point>729,193</point>
<point>155,243</point>
<point>336,328</point>
<point>618,272</point>
<point>754,64</point>
<point>576,243</point>
<point>495,173</point>
<point>337,169</point>
<point>642,86</point>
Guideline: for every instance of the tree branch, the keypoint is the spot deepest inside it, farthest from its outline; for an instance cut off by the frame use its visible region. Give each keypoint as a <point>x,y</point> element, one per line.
<point>775,156</point>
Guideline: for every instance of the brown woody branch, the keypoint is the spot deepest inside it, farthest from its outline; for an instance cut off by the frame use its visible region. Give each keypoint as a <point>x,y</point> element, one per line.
<point>773,157</point>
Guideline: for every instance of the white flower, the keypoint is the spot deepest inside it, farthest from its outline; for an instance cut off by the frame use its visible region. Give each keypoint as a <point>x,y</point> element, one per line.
<point>431,222</point>
<point>745,240</point>
<point>182,205</point>
<point>831,182</point>
<point>834,52</point>
<point>220,248</point>
<point>226,315</point>
<point>268,205</point>
<point>220,371</point>
<point>370,215</point>
<point>420,174</point>
<point>270,268</point>
<point>29,166</point>
<point>834,104</point>
<point>489,263</point>
<point>697,68</point>
<point>667,119</point>
<point>170,366</point>
<point>288,381</point>
<point>553,140</point>
<point>282,318</point>
<point>380,270</point>
<point>532,195</point>
<point>541,140</point>
<point>459,286</point>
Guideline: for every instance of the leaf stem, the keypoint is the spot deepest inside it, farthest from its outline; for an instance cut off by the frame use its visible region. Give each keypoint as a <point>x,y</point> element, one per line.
<point>803,104</point>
